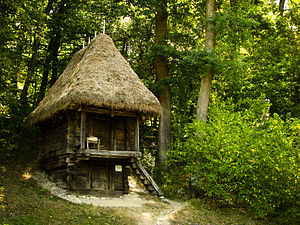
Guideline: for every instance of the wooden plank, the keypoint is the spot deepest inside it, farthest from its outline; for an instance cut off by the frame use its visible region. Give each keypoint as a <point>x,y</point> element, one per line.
<point>108,154</point>
<point>82,130</point>
<point>137,136</point>
<point>89,184</point>
<point>125,179</point>
<point>89,130</point>
<point>111,181</point>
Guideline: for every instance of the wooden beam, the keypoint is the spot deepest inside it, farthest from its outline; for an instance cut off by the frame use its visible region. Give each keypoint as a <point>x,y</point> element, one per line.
<point>82,129</point>
<point>110,154</point>
<point>137,135</point>
<point>109,112</point>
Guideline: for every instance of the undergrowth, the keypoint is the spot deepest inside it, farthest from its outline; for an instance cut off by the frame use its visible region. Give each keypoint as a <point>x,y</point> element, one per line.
<point>243,158</point>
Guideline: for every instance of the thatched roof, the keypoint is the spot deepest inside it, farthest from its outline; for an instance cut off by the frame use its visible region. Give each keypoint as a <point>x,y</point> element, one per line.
<point>97,76</point>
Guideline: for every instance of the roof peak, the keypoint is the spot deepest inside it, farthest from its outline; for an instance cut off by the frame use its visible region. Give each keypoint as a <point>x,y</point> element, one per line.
<point>97,76</point>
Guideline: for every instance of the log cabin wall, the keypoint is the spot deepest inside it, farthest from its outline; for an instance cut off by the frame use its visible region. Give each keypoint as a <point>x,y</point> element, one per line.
<point>73,145</point>
<point>61,144</point>
<point>53,144</point>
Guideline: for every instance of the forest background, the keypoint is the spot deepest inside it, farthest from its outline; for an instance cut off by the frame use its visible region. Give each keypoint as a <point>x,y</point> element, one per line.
<point>247,151</point>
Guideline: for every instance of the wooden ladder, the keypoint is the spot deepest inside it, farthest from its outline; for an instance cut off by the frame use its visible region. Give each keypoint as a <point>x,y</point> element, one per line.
<point>144,177</point>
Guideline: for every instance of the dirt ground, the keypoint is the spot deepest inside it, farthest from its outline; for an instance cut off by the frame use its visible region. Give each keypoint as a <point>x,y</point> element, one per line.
<point>141,207</point>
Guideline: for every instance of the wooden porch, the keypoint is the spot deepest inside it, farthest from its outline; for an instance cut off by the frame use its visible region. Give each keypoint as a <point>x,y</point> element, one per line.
<point>95,153</point>
<point>118,135</point>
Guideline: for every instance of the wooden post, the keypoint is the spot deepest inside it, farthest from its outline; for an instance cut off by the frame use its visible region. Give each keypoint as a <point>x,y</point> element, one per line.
<point>115,137</point>
<point>82,129</point>
<point>137,135</point>
<point>111,170</point>
<point>70,132</point>
<point>89,181</point>
<point>126,135</point>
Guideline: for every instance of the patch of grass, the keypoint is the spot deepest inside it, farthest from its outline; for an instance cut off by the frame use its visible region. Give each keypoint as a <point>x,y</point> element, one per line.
<point>24,202</point>
<point>199,212</point>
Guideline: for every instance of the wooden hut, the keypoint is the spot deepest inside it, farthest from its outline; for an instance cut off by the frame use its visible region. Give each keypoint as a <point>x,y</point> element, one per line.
<point>89,122</point>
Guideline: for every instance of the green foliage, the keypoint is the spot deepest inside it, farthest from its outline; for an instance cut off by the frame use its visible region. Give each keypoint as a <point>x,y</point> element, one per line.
<point>259,51</point>
<point>244,157</point>
<point>256,57</point>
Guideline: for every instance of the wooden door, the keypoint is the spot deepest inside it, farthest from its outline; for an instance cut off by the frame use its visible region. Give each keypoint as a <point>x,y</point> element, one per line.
<point>99,177</point>
<point>118,179</point>
<point>102,130</point>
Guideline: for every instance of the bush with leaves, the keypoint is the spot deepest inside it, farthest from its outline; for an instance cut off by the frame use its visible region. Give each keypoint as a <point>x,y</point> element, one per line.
<point>246,158</point>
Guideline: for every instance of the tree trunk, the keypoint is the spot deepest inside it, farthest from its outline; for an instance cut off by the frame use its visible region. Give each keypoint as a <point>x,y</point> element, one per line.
<point>44,82</point>
<point>31,69</point>
<point>50,63</point>
<point>124,48</point>
<point>281,7</point>
<point>54,56</point>
<point>164,133</point>
<point>206,82</point>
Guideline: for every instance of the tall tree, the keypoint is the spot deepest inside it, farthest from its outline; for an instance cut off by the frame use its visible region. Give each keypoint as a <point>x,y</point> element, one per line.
<point>164,135</point>
<point>206,82</point>
<point>40,18</point>
<point>31,69</point>
<point>56,28</point>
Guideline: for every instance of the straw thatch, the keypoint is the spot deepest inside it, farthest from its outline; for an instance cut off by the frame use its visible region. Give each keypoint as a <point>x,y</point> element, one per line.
<point>97,76</point>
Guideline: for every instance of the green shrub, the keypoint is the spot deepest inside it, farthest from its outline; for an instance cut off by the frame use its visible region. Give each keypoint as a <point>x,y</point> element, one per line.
<point>246,158</point>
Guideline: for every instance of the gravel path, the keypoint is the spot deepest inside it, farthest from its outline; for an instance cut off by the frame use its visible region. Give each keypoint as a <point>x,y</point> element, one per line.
<point>129,200</point>
<point>164,217</point>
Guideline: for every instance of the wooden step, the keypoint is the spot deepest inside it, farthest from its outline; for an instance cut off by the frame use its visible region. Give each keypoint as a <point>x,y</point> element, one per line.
<point>144,177</point>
